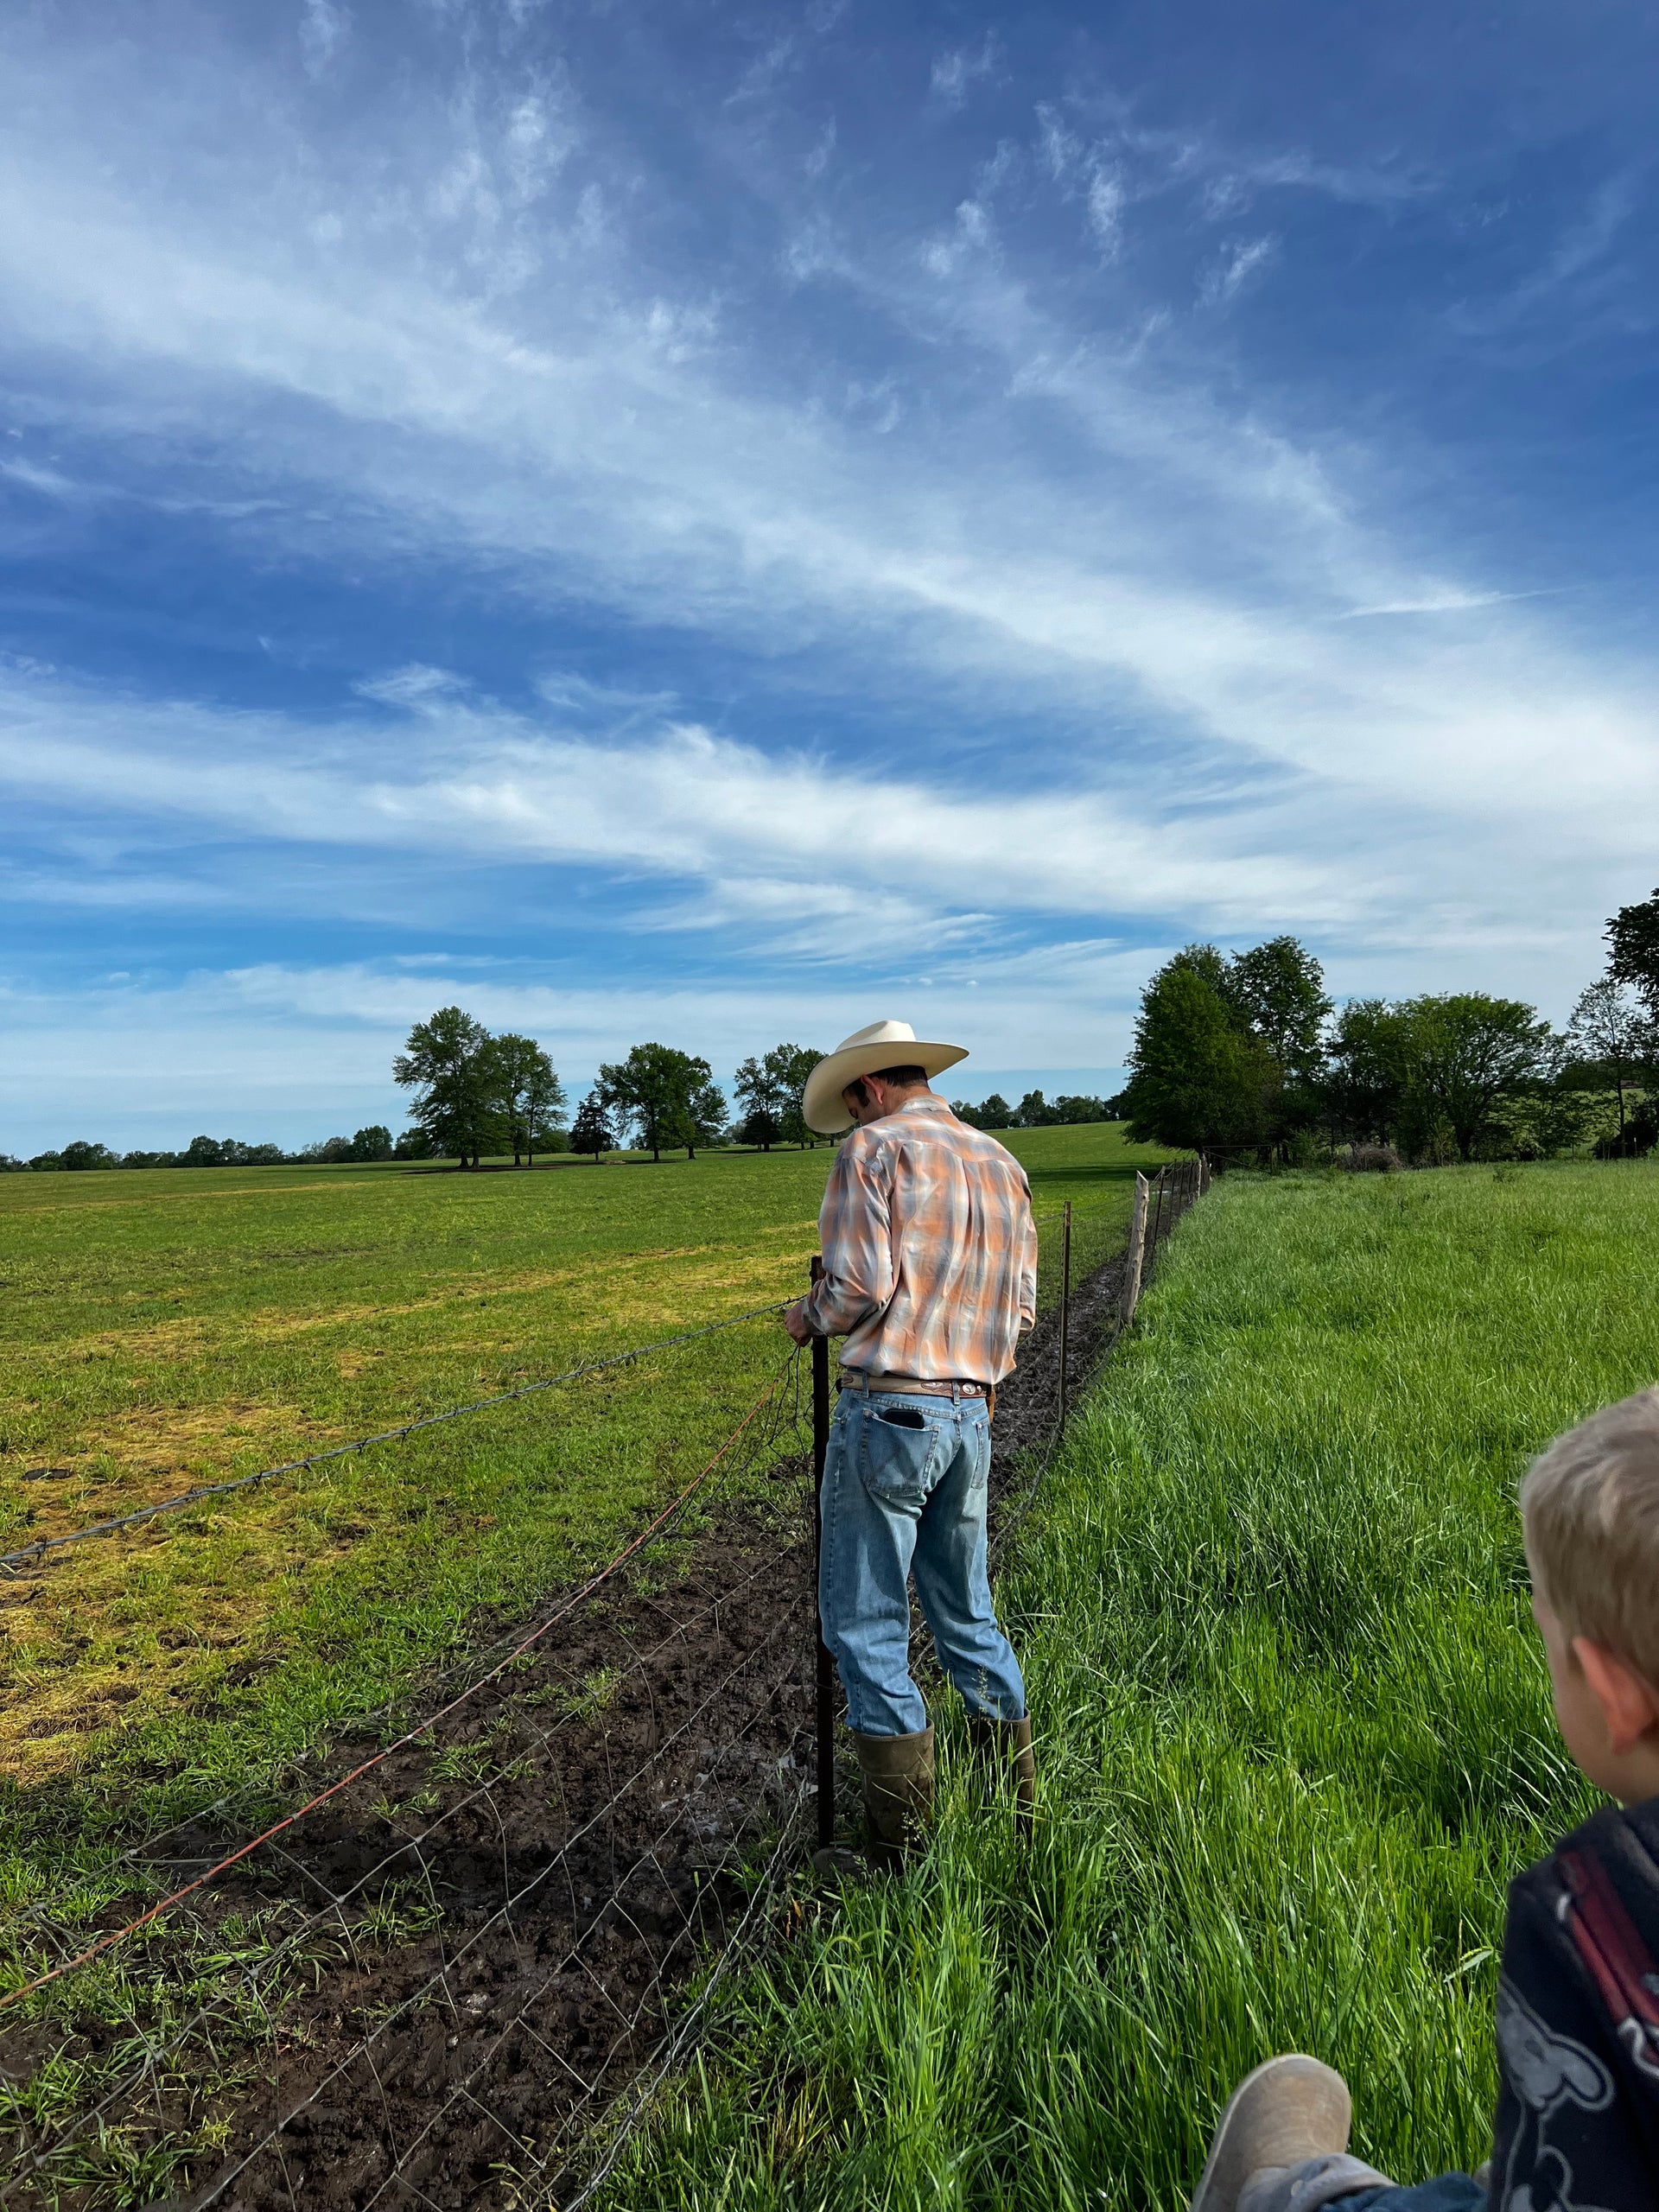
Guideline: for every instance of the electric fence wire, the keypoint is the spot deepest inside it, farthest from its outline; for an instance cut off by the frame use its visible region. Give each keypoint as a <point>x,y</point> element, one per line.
<point>155,2054</point>
<point>42,1545</point>
<point>481,1665</point>
<point>525,1644</point>
<point>678,2042</point>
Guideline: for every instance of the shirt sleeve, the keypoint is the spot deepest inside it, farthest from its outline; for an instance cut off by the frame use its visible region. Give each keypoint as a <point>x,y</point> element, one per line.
<point>855,1227</point>
<point>1026,1261</point>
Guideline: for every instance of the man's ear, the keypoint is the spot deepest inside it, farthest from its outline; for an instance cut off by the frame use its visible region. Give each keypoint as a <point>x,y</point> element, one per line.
<point>1630,1705</point>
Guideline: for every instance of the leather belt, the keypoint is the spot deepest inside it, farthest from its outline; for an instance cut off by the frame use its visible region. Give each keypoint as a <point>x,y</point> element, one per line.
<point>855,1378</point>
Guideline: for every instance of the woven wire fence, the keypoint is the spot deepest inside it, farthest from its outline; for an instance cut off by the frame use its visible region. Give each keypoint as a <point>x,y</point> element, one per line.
<point>453,1969</point>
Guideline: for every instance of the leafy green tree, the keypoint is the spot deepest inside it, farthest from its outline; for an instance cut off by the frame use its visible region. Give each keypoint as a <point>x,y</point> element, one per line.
<point>1610,1030</point>
<point>1034,1112</point>
<point>768,1087</point>
<point>373,1143</point>
<point>448,1065</point>
<point>1365,1079</point>
<point>412,1144</point>
<point>80,1155</point>
<point>1279,987</point>
<point>592,1130</point>
<point>992,1113</point>
<point>1462,1051</point>
<point>1071,1109</point>
<point>665,1095</point>
<point>529,1094</point>
<point>703,1118</point>
<point>761,1088</point>
<point>795,1063</point>
<point>1633,949</point>
<point>1200,1080</point>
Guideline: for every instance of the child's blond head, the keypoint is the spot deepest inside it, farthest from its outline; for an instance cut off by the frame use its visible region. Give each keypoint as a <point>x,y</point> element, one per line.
<point>1590,1504</point>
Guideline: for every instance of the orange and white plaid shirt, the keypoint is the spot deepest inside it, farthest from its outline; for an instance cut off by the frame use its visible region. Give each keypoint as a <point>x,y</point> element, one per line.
<point>929,1255</point>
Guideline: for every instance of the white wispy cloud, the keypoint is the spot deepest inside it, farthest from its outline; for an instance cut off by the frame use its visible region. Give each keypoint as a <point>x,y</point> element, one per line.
<point>465,338</point>
<point>960,68</point>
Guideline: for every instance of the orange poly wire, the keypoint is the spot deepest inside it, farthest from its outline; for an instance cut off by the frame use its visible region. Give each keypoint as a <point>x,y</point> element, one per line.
<point>105,1942</point>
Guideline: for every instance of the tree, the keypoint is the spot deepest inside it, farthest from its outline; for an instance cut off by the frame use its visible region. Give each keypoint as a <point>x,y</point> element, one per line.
<point>702,1119</point>
<point>1279,987</point>
<point>373,1143</point>
<point>1611,1028</point>
<point>1461,1052</point>
<point>795,1063</point>
<point>1070,1109</point>
<point>591,1131</point>
<point>448,1065</point>
<point>529,1093</point>
<point>1035,1112</point>
<point>992,1113</point>
<point>1633,949</point>
<point>761,1086</point>
<point>1365,1080</point>
<point>769,1087</point>
<point>81,1155</point>
<point>660,1091</point>
<point>1200,1077</point>
<point>412,1144</point>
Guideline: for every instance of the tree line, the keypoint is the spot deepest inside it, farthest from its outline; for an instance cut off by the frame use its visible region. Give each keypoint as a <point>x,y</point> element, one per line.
<point>475,1094</point>
<point>373,1143</point>
<point>1245,1054</point>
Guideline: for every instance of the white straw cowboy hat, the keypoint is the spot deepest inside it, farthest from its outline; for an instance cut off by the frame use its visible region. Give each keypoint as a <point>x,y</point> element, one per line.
<point>883,1045</point>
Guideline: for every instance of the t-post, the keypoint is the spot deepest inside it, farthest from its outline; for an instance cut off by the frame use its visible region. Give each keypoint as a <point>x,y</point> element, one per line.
<point>826,1678</point>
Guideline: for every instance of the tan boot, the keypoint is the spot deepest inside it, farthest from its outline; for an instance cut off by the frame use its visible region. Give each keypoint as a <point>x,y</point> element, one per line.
<point>897,1774</point>
<point>1003,1748</point>
<point>1287,2110</point>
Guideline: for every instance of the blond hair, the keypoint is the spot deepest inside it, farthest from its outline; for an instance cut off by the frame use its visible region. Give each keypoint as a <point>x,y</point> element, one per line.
<point>1591,1506</point>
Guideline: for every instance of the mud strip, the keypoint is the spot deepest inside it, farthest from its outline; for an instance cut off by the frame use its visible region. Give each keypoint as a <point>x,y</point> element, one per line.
<point>509,1913</point>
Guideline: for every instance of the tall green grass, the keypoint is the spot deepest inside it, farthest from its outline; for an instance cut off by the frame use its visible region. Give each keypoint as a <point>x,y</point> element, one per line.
<point>1295,1730</point>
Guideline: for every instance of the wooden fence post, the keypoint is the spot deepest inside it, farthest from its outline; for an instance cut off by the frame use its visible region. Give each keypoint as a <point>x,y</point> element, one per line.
<point>1137,1246</point>
<point>826,1676</point>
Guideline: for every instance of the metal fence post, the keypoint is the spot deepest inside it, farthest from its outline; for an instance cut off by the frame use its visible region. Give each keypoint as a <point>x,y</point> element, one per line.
<point>826,1674</point>
<point>1066,1301</point>
<point>1137,1248</point>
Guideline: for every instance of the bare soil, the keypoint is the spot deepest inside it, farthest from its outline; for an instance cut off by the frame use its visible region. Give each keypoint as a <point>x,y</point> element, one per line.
<point>523,1903</point>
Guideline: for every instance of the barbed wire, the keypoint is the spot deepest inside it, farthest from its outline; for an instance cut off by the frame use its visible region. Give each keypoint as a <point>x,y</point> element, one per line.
<point>42,1545</point>
<point>253,1977</point>
<point>245,1998</point>
<point>424,1728</point>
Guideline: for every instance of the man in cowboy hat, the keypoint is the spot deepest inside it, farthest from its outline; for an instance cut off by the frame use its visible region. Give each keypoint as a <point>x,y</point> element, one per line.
<point>930,1275</point>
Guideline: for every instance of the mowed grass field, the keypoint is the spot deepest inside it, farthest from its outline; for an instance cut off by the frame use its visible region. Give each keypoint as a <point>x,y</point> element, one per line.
<point>164,1329</point>
<point>1294,1726</point>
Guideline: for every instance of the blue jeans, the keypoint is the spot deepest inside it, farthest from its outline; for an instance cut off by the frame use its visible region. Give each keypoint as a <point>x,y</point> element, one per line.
<point>1338,2181</point>
<point>1446,2193</point>
<point>905,1488</point>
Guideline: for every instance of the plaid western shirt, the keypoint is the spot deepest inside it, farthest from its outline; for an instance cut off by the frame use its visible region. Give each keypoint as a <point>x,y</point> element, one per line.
<point>930,1255</point>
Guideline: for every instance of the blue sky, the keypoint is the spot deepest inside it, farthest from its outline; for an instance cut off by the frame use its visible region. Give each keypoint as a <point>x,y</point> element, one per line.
<point>720,525</point>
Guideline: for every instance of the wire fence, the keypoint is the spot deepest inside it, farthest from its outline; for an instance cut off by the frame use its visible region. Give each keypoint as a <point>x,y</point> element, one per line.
<point>454,1973</point>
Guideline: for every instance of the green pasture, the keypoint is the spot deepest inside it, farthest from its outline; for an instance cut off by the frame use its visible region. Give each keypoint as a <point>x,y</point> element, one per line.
<point>1294,1726</point>
<point>167,1328</point>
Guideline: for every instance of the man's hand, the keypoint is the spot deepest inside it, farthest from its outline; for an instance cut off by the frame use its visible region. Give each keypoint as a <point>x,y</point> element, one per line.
<point>796,1322</point>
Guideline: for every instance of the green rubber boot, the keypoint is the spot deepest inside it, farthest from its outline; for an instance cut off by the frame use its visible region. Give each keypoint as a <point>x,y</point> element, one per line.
<point>1003,1749</point>
<point>897,1774</point>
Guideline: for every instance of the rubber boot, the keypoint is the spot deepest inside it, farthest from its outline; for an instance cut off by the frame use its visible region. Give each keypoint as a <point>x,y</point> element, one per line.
<point>1003,1748</point>
<point>1287,2111</point>
<point>897,1775</point>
